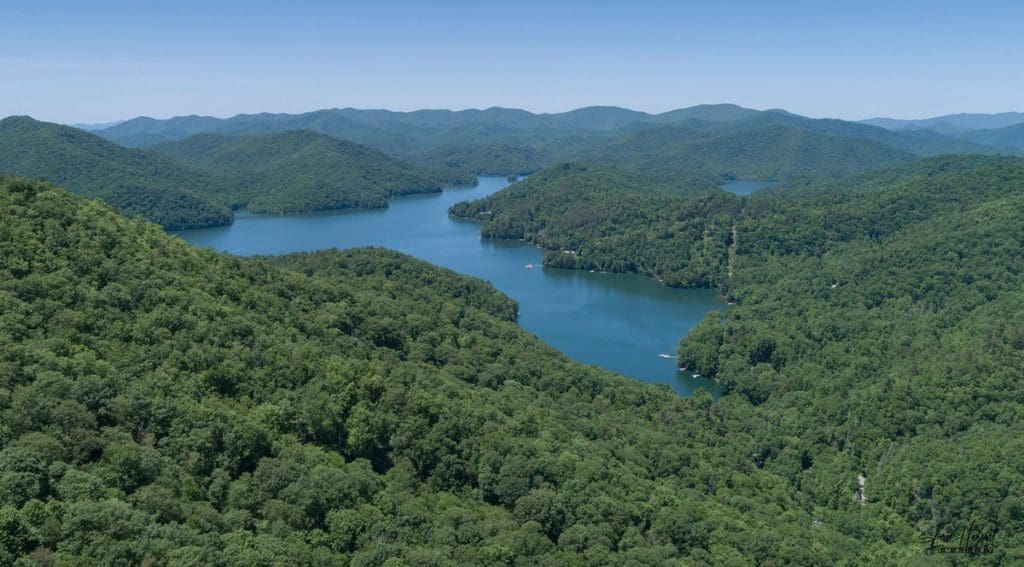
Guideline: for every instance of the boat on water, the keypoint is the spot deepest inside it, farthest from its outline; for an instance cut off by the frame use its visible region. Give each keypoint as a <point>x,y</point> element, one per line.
<point>663,355</point>
<point>530,266</point>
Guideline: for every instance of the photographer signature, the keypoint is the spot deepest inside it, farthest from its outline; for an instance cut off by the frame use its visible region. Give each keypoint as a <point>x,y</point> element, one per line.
<point>972,541</point>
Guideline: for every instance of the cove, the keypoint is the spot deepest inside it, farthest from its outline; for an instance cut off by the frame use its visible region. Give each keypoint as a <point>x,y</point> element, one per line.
<point>620,322</point>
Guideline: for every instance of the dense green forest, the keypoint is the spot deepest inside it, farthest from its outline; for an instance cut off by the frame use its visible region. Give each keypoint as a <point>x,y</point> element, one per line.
<point>760,152</point>
<point>600,218</point>
<point>952,123</point>
<point>138,182</point>
<point>1008,137</point>
<point>770,145</point>
<point>299,171</point>
<point>890,313</point>
<point>196,182</point>
<point>163,404</point>
<point>502,141</point>
<point>1004,130</point>
<point>482,159</point>
<point>918,142</point>
<point>878,322</point>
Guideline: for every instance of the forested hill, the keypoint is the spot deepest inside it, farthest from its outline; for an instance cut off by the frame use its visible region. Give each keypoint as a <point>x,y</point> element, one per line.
<point>1009,137</point>
<point>504,141</point>
<point>618,221</point>
<point>393,132</point>
<point>138,182</point>
<point>161,404</point>
<point>770,145</point>
<point>952,123</point>
<point>917,142</point>
<point>299,170</point>
<point>600,218</point>
<point>878,323</point>
<point>194,182</point>
<point>774,151</point>
<point>882,324</point>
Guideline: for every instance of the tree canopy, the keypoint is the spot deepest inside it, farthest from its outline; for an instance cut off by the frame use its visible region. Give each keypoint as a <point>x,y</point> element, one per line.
<point>877,322</point>
<point>500,141</point>
<point>169,405</point>
<point>137,182</point>
<point>300,171</point>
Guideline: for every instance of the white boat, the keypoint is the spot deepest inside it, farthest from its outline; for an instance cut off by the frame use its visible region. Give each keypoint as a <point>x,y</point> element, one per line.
<point>530,266</point>
<point>663,355</point>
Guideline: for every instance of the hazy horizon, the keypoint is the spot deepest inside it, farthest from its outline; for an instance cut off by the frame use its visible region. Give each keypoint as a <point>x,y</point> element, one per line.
<point>227,116</point>
<point>108,61</point>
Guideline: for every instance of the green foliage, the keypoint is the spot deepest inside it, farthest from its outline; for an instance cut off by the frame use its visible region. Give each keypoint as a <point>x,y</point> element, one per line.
<point>877,328</point>
<point>603,219</point>
<point>194,182</point>
<point>879,325</point>
<point>483,159</point>
<point>299,171</point>
<point>161,404</point>
<point>1010,137</point>
<point>137,182</point>
<point>720,141</point>
<point>744,151</point>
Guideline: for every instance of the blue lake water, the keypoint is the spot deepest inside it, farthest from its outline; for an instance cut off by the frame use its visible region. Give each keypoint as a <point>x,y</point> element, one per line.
<point>619,322</point>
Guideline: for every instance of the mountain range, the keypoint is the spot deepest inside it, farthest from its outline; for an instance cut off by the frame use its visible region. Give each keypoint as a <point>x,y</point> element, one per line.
<point>195,182</point>
<point>951,123</point>
<point>504,141</point>
<point>1004,130</point>
<point>138,182</point>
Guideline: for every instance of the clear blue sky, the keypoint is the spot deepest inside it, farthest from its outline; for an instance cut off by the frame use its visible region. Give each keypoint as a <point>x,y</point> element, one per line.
<point>98,61</point>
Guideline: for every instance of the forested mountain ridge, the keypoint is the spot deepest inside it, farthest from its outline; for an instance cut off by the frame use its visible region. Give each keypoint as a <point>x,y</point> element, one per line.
<point>601,218</point>
<point>773,151</point>
<point>509,141</point>
<point>396,130</point>
<point>138,182</point>
<point>1008,137</point>
<point>890,314</point>
<point>878,319</point>
<point>917,142</point>
<point>165,404</point>
<point>483,159</point>
<point>195,182</point>
<point>299,171</point>
<point>393,132</point>
<point>952,123</point>
<point>557,209</point>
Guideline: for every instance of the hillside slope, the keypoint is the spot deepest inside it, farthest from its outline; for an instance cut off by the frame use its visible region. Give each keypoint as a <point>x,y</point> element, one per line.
<point>593,217</point>
<point>503,141</point>
<point>1011,137</point>
<point>951,123</point>
<point>759,152</point>
<point>889,313</point>
<point>162,404</point>
<point>138,182</point>
<point>299,170</point>
<point>877,322</point>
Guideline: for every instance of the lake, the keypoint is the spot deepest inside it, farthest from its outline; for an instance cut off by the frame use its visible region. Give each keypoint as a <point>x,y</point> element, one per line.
<point>746,187</point>
<point>620,322</point>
